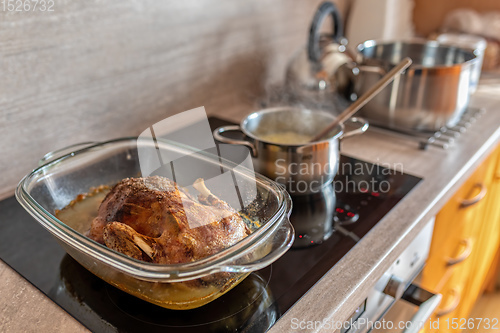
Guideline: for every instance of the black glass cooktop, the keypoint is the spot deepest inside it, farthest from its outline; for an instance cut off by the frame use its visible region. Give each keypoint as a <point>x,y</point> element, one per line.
<point>327,226</point>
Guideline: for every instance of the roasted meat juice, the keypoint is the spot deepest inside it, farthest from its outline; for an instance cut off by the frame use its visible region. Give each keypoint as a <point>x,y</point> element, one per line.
<point>83,209</point>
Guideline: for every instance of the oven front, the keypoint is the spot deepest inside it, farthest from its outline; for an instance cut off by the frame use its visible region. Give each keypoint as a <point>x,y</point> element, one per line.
<point>396,303</point>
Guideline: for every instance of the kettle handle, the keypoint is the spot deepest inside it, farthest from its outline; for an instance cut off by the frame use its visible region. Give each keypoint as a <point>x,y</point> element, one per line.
<point>326,8</point>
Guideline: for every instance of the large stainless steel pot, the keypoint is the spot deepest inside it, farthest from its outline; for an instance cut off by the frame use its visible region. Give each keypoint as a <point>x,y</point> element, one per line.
<point>432,93</point>
<point>302,168</point>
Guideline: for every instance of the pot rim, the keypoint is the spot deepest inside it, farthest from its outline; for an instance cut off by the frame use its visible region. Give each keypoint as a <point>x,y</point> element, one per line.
<point>419,41</point>
<point>252,115</point>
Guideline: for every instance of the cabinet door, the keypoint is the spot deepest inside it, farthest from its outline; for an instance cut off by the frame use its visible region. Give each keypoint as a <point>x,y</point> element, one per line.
<point>488,237</point>
<point>455,231</point>
<point>449,247</point>
<point>465,241</point>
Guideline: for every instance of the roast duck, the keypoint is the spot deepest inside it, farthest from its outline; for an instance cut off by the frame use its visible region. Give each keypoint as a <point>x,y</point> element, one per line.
<point>153,219</point>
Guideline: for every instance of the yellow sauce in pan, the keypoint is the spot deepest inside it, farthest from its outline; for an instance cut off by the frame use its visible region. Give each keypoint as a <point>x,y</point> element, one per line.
<point>289,137</point>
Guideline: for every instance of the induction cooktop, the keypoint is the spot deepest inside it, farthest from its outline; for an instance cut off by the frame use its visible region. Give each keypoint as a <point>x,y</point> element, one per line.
<point>327,225</point>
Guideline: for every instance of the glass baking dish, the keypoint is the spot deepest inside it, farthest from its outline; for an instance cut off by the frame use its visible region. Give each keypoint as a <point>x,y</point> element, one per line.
<point>57,182</point>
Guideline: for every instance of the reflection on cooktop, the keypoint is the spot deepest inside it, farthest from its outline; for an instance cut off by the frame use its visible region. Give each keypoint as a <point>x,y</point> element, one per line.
<point>312,217</point>
<point>327,224</point>
<point>248,307</point>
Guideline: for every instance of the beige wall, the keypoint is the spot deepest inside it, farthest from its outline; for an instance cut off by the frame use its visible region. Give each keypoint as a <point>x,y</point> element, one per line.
<point>429,14</point>
<point>96,70</point>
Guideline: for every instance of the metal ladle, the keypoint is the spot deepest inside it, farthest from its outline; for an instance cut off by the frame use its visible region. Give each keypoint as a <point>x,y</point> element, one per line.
<point>365,98</point>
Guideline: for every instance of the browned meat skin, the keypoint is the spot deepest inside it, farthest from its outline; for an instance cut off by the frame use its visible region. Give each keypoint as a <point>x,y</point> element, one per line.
<point>151,219</point>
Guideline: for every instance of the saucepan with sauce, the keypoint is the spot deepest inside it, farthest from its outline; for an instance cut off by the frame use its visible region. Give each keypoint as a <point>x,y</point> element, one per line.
<point>279,142</point>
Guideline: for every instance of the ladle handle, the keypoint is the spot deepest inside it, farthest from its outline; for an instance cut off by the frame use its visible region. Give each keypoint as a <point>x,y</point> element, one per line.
<point>366,97</point>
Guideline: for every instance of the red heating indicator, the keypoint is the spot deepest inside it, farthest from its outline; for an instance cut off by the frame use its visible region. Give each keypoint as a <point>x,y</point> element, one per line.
<point>351,214</point>
<point>375,194</point>
<point>339,210</point>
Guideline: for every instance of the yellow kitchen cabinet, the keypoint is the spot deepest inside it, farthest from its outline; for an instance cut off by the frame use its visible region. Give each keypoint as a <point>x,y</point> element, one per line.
<point>450,303</point>
<point>464,245</point>
<point>488,239</point>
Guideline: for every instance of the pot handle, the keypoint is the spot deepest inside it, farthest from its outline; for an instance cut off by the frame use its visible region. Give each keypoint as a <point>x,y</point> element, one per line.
<point>355,80</point>
<point>326,8</point>
<point>50,156</point>
<point>218,136</point>
<point>360,130</point>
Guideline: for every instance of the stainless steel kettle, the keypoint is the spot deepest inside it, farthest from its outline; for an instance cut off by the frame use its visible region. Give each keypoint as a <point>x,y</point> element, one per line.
<point>311,75</point>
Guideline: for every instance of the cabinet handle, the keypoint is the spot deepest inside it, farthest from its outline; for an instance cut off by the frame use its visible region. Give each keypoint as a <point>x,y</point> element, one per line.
<point>456,301</point>
<point>482,193</point>
<point>467,243</point>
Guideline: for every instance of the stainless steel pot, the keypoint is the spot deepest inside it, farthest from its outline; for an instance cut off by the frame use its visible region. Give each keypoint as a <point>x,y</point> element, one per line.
<point>302,168</point>
<point>432,93</point>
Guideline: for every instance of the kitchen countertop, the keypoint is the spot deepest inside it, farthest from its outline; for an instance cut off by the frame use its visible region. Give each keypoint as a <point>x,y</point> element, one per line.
<point>24,308</point>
